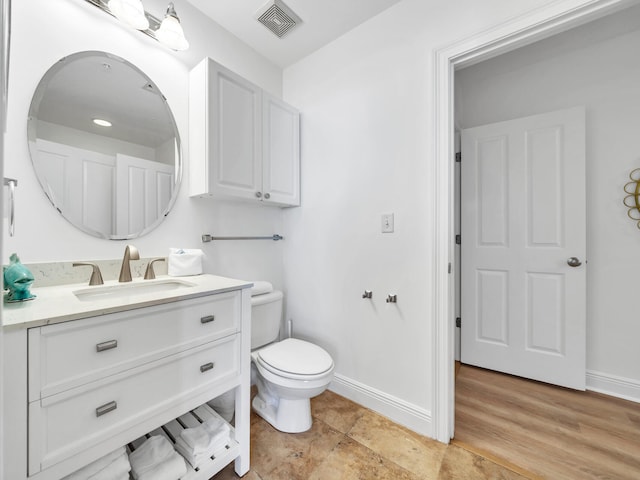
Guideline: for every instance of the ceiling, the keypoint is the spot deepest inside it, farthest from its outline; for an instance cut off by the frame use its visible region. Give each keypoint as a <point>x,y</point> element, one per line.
<point>322,22</point>
<point>90,85</point>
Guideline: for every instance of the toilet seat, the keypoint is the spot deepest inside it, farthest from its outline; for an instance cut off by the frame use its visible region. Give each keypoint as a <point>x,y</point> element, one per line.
<point>296,359</point>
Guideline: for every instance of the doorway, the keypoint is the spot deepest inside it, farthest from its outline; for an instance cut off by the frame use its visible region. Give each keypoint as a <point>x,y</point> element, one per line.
<point>538,25</point>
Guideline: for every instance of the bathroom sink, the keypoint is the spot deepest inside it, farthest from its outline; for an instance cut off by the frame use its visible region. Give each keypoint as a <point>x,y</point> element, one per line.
<point>128,290</point>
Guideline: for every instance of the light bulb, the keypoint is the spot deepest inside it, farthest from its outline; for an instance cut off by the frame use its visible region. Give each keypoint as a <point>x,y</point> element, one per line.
<point>102,122</point>
<point>130,12</point>
<point>170,32</point>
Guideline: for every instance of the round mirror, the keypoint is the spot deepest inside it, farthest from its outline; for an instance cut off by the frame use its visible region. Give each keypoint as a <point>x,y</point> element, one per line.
<point>104,145</point>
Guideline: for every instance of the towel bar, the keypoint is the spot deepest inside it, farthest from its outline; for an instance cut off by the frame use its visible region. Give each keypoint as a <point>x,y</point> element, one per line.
<point>207,238</point>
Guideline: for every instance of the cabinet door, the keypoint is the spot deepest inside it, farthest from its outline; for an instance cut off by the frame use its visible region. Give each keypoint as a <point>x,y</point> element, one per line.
<point>280,152</point>
<point>234,106</point>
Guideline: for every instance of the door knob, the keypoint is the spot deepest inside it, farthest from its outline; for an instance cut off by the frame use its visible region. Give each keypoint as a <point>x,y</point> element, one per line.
<point>574,262</point>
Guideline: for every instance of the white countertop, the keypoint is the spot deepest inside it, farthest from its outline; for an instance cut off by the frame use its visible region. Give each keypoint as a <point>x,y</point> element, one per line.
<point>60,303</point>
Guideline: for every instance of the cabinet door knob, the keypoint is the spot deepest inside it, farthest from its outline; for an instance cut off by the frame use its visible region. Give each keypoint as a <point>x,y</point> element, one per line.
<point>259,194</point>
<point>207,319</point>
<point>206,367</point>
<point>267,196</point>
<point>106,408</point>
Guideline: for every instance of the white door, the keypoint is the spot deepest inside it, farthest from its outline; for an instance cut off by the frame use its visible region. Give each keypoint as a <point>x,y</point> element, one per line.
<point>144,191</point>
<point>523,247</point>
<point>80,183</point>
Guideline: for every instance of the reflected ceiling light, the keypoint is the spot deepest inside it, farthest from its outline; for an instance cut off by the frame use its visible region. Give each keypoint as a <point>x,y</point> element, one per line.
<point>130,12</point>
<point>170,32</point>
<point>102,122</point>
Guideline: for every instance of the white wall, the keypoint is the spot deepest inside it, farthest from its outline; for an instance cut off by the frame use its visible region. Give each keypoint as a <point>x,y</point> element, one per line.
<point>367,149</point>
<point>597,66</point>
<point>42,33</point>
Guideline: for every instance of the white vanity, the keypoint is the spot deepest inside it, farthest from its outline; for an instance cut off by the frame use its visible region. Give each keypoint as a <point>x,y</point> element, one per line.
<point>90,369</point>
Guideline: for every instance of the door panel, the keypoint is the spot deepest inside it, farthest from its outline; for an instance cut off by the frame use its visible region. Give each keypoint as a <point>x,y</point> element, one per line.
<point>234,133</point>
<point>281,151</point>
<point>522,216</point>
<point>144,189</point>
<point>80,183</point>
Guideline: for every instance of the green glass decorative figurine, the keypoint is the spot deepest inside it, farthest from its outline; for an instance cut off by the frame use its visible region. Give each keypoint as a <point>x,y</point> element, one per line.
<point>18,280</point>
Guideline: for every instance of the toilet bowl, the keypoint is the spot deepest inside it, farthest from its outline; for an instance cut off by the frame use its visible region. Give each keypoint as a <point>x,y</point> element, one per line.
<point>287,373</point>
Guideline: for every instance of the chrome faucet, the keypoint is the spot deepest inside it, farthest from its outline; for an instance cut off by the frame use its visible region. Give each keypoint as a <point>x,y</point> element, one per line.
<point>130,253</point>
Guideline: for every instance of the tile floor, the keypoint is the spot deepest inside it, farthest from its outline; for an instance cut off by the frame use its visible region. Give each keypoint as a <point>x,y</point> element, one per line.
<point>350,442</point>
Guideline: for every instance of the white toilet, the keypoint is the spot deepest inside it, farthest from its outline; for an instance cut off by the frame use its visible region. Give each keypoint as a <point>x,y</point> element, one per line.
<point>288,373</point>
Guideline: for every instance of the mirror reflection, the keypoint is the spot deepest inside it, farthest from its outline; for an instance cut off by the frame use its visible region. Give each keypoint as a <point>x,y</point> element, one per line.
<point>104,145</point>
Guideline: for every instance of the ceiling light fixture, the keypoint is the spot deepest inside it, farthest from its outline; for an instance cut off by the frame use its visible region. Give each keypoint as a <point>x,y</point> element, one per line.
<point>170,32</point>
<point>102,122</point>
<point>131,12</point>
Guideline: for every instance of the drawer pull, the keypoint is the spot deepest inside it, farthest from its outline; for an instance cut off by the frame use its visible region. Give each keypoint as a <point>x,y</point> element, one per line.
<point>206,366</point>
<point>207,319</point>
<point>106,408</point>
<point>101,347</point>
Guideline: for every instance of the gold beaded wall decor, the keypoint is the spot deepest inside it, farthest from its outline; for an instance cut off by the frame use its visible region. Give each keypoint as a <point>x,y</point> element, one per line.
<point>632,200</point>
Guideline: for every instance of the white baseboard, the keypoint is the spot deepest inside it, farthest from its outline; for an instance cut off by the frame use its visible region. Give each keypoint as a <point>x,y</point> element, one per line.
<point>419,419</point>
<point>404,413</point>
<point>620,387</point>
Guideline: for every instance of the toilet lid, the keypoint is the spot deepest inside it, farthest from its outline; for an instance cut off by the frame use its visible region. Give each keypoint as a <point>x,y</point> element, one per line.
<point>296,356</point>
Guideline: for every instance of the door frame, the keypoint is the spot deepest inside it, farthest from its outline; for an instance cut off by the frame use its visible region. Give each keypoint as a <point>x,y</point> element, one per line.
<point>531,27</point>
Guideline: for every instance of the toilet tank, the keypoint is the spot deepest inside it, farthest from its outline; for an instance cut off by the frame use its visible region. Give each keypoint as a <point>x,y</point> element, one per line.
<point>266,314</point>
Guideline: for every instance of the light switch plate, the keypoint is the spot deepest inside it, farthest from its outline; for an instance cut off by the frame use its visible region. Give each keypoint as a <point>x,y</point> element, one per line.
<point>387,223</point>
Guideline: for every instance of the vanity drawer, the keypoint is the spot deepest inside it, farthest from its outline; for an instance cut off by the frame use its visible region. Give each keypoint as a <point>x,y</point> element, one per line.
<point>67,355</point>
<point>63,425</point>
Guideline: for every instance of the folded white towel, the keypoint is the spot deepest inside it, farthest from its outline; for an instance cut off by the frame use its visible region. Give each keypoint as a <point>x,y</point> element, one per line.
<point>153,451</point>
<point>156,459</point>
<point>86,472</point>
<point>184,262</point>
<point>196,460</point>
<point>261,287</point>
<point>225,404</point>
<point>171,468</point>
<point>115,470</point>
<point>199,438</point>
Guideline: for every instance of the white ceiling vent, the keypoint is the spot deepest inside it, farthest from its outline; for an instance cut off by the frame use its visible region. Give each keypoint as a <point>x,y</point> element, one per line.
<point>277,17</point>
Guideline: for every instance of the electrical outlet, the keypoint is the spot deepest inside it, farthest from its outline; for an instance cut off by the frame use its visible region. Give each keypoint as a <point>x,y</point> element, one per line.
<point>387,223</point>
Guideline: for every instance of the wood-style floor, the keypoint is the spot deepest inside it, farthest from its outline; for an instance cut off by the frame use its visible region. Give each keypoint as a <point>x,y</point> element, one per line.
<point>552,432</point>
<point>350,442</point>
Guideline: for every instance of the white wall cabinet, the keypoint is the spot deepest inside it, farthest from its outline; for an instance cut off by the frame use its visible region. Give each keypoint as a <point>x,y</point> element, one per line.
<point>244,143</point>
<point>85,387</point>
